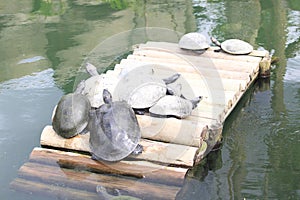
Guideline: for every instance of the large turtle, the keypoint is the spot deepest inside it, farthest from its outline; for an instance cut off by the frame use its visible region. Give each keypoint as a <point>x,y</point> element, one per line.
<point>176,106</point>
<point>193,41</point>
<point>114,130</point>
<point>72,113</point>
<point>234,46</point>
<point>95,85</point>
<point>141,88</point>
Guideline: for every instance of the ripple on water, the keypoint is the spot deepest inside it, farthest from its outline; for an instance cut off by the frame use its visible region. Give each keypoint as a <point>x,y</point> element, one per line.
<point>37,80</point>
<point>31,60</point>
<point>293,70</point>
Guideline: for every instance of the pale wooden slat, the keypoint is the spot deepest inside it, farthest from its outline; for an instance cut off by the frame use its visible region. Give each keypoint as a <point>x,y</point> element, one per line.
<point>193,81</point>
<point>210,83</point>
<point>184,131</point>
<point>159,152</point>
<point>206,72</point>
<point>173,47</point>
<point>194,61</point>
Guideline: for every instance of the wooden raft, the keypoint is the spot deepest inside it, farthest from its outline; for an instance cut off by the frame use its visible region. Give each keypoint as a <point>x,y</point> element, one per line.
<point>63,167</point>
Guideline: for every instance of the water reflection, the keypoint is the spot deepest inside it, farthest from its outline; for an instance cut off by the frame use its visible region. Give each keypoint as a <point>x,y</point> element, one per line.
<point>259,158</point>
<point>260,129</point>
<point>198,181</point>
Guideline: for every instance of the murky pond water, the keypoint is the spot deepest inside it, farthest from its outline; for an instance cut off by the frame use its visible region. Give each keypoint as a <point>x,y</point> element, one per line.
<point>43,43</point>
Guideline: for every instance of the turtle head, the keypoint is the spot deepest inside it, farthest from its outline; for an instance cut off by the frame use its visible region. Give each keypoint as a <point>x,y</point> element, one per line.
<point>107,98</point>
<point>196,101</point>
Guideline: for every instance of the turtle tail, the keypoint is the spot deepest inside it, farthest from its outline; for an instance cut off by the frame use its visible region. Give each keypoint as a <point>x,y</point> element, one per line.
<point>215,41</point>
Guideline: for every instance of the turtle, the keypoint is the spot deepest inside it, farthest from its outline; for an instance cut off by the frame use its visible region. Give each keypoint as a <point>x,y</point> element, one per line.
<point>71,115</point>
<point>114,130</point>
<point>234,46</point>
<point>193,41</point>
<point>103,194</point>
<point>95,85</point>
<point>176,106</point>
<point>142,88</point>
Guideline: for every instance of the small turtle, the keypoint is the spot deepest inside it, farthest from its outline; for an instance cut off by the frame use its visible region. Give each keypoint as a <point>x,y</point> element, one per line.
<point>72,113</point>
<point>234,46</point>
<point>114,130</point>
<point>95,85</point>
<point>174,106</point>
<point>193,41</point>
<point>103,194</point>
<point>142,89</point>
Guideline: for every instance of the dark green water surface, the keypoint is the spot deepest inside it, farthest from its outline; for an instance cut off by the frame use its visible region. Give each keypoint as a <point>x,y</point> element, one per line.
<point>42,46</point>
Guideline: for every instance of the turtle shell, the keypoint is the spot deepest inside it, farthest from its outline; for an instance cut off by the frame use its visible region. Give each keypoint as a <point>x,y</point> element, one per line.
<point>71,115</point>
<point>236,46</point>
<point>170,105</point>
<point>94,87</point>
<point>115,133</point>
<point>193,41</point>
<point>141,89</point>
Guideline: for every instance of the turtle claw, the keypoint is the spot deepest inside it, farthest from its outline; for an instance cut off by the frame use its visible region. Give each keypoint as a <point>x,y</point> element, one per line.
<point>84,131</point>
<point>139,111</point>
<point>217,50</point>
<point>94,157</point>
<point>138,150</point>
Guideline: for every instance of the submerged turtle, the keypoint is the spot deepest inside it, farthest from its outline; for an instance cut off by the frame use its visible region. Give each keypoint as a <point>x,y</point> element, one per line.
<point>102,192</point>
<point>114,130</point>
<point>234,46</point>
<point>142,89</point>
<point>95,85</point>
<point>72,113</point>
<point>193,41</point>
<point>174,106</point>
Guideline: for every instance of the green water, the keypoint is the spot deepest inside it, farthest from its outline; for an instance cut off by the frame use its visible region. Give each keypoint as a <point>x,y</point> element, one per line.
<point>259,158</point>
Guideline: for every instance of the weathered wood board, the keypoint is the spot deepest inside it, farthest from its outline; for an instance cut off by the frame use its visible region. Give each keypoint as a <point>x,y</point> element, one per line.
<point>75,176</point>
<point>171,146</point>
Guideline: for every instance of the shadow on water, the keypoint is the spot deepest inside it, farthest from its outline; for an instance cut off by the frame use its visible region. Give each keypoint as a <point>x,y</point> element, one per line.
<point>198,181</point>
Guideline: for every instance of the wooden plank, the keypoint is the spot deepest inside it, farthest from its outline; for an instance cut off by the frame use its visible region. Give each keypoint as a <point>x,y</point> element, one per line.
<point>188,79</point>
<point>158,152</point>
<point>148,171</point>
<point>194,61</point>
<point>208,83</point>
<point>184,131</point>
<point>173,47</point>
<point>205,72</point>
<point>87,181</point>
<point>54,191</point>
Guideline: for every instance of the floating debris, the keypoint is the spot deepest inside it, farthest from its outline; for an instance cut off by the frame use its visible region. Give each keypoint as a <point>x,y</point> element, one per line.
<point>31,60</point>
